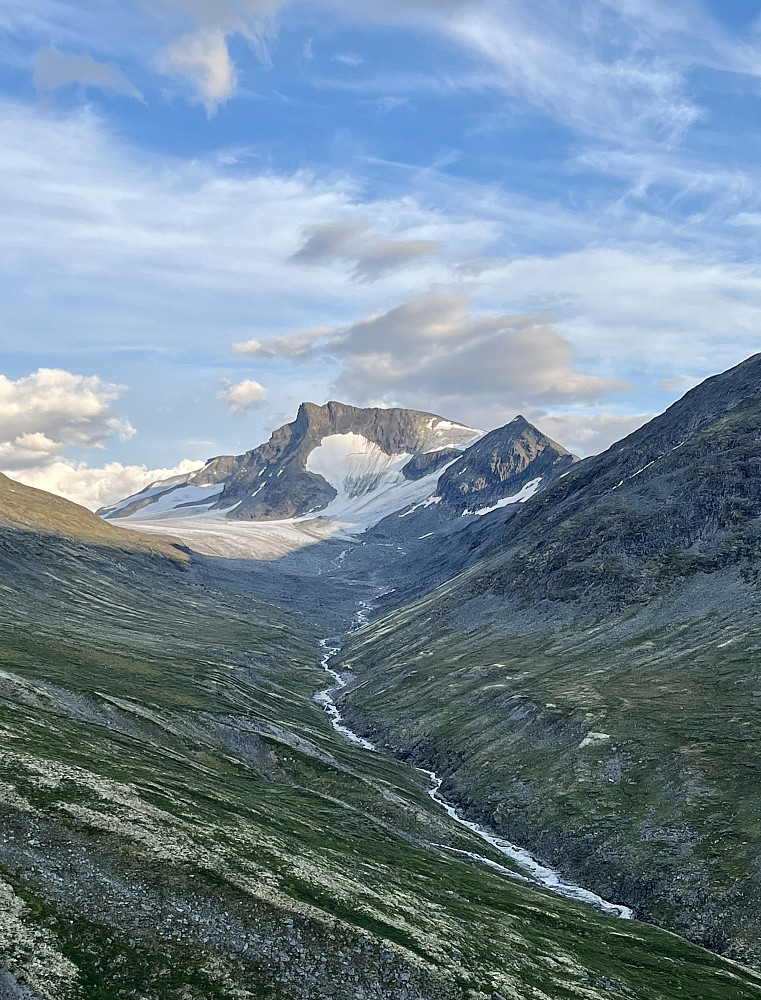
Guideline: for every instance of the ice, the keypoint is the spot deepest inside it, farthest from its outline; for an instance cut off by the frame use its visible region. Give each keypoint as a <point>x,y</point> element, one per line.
<point>425,503</point>
<point>167,502</point>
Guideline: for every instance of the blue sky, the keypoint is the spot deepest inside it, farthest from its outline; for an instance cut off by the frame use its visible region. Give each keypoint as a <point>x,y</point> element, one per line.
<point>214,209</point>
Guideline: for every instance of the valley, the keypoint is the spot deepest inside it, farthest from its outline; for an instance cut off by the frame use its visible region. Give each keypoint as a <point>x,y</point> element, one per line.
<point>552,660</point>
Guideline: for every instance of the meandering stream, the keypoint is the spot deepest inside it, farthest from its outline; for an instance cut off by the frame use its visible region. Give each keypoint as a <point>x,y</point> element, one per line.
<point>536,872</point>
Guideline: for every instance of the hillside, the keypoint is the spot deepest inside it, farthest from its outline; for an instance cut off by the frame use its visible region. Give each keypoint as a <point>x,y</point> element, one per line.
<point>25,511</point>
<point>179,819</point>
<point>592,687</point>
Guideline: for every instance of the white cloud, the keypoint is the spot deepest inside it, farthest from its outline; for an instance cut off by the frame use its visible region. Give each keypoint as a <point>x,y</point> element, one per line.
<point>351,240</point>
<point>202,55</point>
<point>54,69</point>
<point>97,487</point>
<point>587,434</point>
<point>43,413</point>
<point>243,396</point>
<point>204,60</point>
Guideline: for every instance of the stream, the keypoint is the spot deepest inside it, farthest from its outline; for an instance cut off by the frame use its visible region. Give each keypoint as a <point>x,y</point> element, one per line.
<point>536,872</point>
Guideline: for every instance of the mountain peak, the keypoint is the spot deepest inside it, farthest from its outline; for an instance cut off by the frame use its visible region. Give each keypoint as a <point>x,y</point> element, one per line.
<point>509,464</point>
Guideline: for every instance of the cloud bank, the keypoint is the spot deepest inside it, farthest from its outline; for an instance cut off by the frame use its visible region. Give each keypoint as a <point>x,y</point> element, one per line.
<point>51,409</point>
<point>436,351</point>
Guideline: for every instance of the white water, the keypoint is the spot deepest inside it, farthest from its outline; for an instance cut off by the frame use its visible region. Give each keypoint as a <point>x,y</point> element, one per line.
<point>537,873</point>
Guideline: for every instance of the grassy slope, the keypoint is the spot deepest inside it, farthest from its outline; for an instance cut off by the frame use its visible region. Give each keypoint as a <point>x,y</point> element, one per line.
<point>661,809</point>
<point>622,601</point>
<point>165,833</point>
<point>25,509</point>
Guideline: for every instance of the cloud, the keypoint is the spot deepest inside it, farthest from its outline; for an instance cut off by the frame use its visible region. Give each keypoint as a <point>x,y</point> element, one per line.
<point>438,347</point>
<point>352,241</point>
<point>435,351</point>
<point>243,396</point>
<point>44,413</point>
<point>202,56</point>
<point>295,345</point>
<point>349,59</point>
<point>587,434</point>
<point>54,69</point>
<point>204,60</point>
<point>97,487</point>
<point>328,240</point>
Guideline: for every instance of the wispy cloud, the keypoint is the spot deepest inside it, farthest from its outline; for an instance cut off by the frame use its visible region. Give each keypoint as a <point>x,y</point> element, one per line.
<point>54,69</point>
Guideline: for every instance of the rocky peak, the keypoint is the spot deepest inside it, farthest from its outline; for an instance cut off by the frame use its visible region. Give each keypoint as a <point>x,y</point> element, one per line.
<point>512,461</point>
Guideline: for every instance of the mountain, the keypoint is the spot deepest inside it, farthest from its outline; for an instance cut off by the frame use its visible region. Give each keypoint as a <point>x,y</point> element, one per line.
<point>328,453</point>
<point>591,686</point>
<point>340,471</point>
<point>180,819</point>
<point>517,457</point>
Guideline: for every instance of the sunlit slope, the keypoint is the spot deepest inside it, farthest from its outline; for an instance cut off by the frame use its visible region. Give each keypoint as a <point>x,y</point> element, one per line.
<point>593,686</point>
<point>179,820</point>
<point>24,510</point>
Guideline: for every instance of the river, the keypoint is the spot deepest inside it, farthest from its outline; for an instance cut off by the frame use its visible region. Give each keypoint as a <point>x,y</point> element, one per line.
<point>536,872</point>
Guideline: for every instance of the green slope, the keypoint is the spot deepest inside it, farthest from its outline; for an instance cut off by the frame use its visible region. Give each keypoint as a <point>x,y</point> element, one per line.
<point>180,821</point>
<point>622,602</point>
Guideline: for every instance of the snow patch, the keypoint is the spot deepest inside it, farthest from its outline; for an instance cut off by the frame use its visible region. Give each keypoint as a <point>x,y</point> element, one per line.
<point>425,503</point>
<point>166,502</point>
<point>521,497</point>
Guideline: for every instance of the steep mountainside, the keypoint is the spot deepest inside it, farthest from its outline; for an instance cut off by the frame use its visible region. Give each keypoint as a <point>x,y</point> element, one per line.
<point>518,454</point>
<point>179,819</point>
<point>592,687</point>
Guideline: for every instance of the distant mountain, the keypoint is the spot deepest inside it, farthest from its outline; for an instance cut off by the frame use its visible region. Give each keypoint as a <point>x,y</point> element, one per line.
<point>330,459</point>
<point>338,471</point>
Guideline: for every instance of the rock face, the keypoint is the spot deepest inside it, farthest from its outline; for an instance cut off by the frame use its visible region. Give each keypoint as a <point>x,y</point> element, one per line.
<point>502,465</point>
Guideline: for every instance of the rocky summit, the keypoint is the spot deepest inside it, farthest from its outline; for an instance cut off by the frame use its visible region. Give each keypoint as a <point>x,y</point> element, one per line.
<point>389,707</point>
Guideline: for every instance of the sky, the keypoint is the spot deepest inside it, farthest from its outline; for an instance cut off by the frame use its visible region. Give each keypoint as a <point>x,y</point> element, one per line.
<point>215,209</point>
